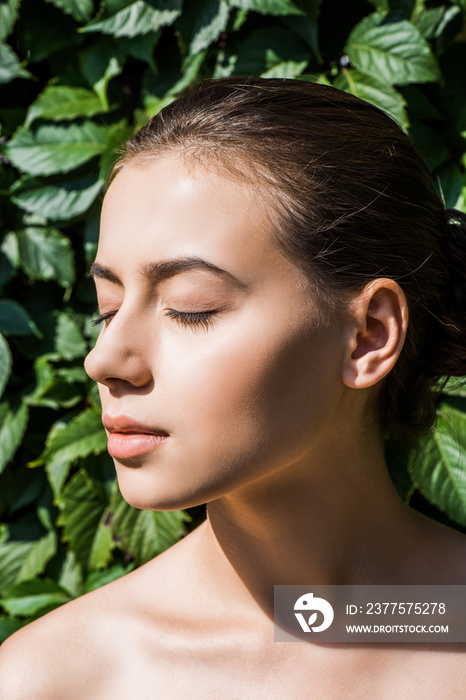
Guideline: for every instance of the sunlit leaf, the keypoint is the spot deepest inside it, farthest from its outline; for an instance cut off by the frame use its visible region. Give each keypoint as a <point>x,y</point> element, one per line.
<point>56,149</point>
<point>81,509</point>
<point>10,66</point>
<point>8,16</point>
<point>392,51</point>
<point>376,91</point>
<point>28,597</point>
<point>13,422</point>
<point>440,473</point>
<point>145,533</point>
<point>58,202</point>
<point>62,102</point>
<point>268,7</point>
<point>46,254</point>
<point>139,17</point>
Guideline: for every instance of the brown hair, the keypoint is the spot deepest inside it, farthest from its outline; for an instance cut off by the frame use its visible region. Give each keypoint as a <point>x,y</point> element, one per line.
<point>355,201</point>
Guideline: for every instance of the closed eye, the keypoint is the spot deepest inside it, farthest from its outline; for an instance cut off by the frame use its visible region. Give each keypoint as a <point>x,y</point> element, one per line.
<point>103,317</point>
<point>197,319</point>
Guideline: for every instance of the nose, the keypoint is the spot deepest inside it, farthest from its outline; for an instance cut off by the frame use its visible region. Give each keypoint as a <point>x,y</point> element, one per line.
<point>118,359</point>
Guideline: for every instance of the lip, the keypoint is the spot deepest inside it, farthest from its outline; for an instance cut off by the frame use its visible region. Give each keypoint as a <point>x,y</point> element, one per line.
<point>129,438</point>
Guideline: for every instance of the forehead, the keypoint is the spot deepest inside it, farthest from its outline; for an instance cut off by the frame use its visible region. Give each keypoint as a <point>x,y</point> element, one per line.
<point>168,208</point>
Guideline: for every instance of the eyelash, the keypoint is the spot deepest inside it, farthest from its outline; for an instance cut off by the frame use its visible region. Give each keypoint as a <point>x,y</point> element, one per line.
<point>202,319</point>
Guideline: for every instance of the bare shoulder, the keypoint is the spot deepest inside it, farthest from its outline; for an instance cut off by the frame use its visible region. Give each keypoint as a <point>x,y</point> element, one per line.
<point>59,654</point>
<point>87,646</point>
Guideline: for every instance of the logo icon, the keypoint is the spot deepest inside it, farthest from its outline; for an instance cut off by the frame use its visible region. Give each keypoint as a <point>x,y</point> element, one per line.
<point>310,604</point>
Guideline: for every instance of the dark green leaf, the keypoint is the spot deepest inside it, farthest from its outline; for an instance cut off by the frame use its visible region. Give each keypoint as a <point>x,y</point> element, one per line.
<point>15,320</point>
<point>13,423</point>
<point>57,202</point>
<point>62,102</point>
<point>10,67</point>
<point>80,10</point>
<point>145,533</point>
<point>376,91</point>
<point>202,23</point>
<point>9,625</point>
<point>431,23</point>
<point>8,16</point>
<point>267,7</point>
<point>449,183</point>
<point>100,62</point>
<point>272,53</point>
<point>137,18</point>
<point>5,363</point>
<point>394,52</point>
<point>69,340</point>
<point>56,149</point>
<point>46,254</point>
<point>82,509</point>
<point>441,472</point>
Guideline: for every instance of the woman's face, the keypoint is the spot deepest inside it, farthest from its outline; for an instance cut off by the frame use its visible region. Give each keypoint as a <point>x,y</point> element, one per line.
<point>213,364</point>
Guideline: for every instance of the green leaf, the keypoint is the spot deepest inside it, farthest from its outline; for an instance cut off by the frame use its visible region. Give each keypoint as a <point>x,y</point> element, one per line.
<point>96,579</point>
<point>13,422</point>
<point>140,17</point>
<point>431,23</point>
<point>82,436</point>
<point>9,625</point>
<point>9,10</point>
<point>394,52</point>
<point>80,10</point>
<point>15,320</point>
<point>145,533</point>
<point>29,597</point>
<point>62,102</point>
<point>69,340</point>
<point>56,149</point>
<point>100,62</point>
<point>57,202</point>
<point>267,7</point>
<point>82,508</point>
<point>12,555</point>
<point>5,363</point>
<point>202,23</point>
<point>440,473</point>
<point>449,182</point>
<point>46,254</point>
<point>10,67</point>
<point>38,557</point>
<point>268,52</point>
<point>375,91</point>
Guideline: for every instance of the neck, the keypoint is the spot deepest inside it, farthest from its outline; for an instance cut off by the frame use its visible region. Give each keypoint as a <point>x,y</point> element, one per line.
<point>333,518</point>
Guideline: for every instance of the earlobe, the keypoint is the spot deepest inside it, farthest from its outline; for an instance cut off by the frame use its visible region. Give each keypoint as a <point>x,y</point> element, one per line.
<point>380,315</point>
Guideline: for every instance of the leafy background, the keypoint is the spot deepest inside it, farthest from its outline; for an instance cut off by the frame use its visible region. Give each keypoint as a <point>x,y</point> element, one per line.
<point>77,77</point>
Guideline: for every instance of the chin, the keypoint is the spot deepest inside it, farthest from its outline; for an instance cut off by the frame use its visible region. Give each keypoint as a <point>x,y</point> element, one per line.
<point>158,499</point>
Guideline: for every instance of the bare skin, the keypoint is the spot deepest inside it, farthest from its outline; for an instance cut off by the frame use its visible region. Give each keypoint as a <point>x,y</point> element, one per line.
<point>265,416</point>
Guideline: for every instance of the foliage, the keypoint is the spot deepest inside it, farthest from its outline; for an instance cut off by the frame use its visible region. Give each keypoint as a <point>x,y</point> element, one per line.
<point>76,78</point>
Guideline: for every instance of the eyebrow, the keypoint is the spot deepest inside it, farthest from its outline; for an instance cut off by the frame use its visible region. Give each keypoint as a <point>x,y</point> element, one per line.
<point>163,270</point>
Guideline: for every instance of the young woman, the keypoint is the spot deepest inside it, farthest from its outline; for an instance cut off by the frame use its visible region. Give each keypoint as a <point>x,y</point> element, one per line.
<point>280,289</point>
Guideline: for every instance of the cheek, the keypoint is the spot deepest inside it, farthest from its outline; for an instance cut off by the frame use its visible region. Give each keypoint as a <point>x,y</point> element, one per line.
<point>251,391</point>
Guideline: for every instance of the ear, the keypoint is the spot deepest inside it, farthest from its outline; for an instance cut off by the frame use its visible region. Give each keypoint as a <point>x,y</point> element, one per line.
<point>380,320</point>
